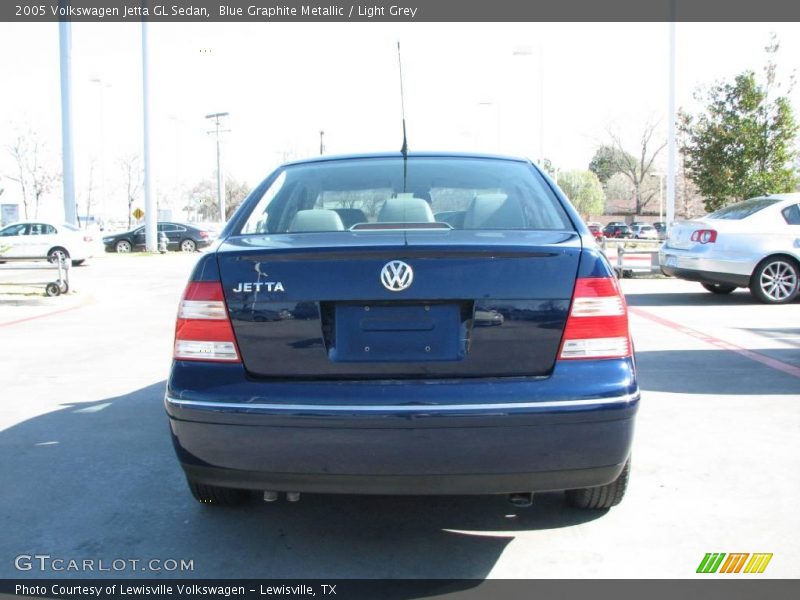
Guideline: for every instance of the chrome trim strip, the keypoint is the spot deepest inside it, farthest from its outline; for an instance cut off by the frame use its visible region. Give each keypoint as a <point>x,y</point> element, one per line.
<point>421,408</point>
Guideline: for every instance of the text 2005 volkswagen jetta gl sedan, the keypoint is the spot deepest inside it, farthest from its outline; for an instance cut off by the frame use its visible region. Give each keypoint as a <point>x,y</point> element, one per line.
<point>330,342</point>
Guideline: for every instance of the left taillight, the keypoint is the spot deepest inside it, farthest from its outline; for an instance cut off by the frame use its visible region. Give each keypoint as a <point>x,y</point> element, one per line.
<point>203,329</point>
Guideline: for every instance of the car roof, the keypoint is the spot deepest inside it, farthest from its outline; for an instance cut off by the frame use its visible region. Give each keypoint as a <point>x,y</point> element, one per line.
<point>329,158</point>
<point>41,221</point>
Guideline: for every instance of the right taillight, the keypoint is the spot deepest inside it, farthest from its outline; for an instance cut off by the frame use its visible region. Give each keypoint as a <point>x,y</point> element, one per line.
<point>203,330</point>
<point>704,236</point>
<point>597,325</point>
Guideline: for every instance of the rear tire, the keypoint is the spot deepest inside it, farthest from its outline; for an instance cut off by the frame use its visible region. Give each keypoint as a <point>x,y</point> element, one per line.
<point>188,246</point>
<point>56,253</point>
<point>217,496</point>
<point>776,280</point>
<point>604,496</point>
<point>718,288</point>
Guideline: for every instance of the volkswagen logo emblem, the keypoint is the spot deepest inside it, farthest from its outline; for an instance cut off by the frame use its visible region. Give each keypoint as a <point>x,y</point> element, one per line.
<point>396,276</point>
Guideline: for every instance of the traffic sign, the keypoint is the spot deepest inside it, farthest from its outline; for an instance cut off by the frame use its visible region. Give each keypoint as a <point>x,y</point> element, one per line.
<point>138,214</point>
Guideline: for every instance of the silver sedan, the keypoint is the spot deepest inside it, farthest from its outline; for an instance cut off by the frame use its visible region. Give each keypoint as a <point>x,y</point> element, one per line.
<point>753,244</point>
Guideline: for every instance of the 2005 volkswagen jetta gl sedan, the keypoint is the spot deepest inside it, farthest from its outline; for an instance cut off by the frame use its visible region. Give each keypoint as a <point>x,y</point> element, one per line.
<point>329,342</point>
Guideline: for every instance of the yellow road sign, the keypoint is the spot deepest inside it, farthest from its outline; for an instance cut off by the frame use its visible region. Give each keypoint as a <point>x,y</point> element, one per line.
<point>138,213</point>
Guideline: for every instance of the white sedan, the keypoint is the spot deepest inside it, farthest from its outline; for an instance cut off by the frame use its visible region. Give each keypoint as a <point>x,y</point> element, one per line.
<point>39,239</point>
<point>754,244</point>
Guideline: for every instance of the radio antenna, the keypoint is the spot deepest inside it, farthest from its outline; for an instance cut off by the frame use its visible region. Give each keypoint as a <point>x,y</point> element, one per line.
<point>404,149</point>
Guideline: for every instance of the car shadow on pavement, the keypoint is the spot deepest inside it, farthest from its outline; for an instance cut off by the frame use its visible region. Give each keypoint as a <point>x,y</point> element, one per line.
<point>717,372</point>
<point>740,297</point>
<point>100,481</point>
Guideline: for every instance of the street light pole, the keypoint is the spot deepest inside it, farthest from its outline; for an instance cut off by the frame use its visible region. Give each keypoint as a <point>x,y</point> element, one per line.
<point>220,182</point>
<point>67,147</point>
<point>525,51</point>
<point>150,206</point>
<point>497,128</point>
<point>672,116</point>
<point>660,195</point>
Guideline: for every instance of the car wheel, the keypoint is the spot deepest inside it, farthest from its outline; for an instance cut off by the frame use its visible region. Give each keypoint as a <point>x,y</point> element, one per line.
<point>123,246</point>
<point>775,280</point>
<point>57,253</point>
<point>188,246</point>
<point>604,496</point>
<point>718,288</point>
<point>218,496</point>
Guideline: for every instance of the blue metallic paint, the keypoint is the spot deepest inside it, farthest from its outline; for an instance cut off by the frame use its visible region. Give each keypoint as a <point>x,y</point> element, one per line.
<point>419,451</point>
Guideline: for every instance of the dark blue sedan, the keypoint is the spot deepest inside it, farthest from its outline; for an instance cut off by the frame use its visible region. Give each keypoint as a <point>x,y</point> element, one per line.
<point>335,340</point>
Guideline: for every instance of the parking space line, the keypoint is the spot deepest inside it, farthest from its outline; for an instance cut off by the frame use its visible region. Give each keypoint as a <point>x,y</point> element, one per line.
<point>48,314</point>
<point>768,361</point>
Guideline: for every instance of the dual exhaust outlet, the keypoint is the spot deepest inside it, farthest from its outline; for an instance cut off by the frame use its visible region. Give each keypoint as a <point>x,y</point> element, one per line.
<point>519,499</point>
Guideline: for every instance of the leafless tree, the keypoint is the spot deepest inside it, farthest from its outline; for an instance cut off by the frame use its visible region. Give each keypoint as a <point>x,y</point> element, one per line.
<point>132,176</point>
<point>34,178</point>
<point>636,168</point>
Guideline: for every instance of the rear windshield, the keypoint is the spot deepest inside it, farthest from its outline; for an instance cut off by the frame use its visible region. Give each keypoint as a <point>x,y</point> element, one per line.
<point>742,210</point>
<point>381,193</point>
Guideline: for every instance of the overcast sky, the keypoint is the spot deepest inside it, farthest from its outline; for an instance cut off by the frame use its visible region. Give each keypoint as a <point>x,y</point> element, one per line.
<point>474,87</point>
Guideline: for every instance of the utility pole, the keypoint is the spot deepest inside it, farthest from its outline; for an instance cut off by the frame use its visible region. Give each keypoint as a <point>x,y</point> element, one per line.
<point>150,206</point>
<point>672,116</point>
<point>220,182</point>
<point>321,142</point>
<point>67,147</point>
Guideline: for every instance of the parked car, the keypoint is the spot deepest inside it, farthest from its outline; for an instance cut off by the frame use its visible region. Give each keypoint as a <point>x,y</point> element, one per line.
<point>596,229</point>
<point>492,357</point>
<point>42,239</point>
<point>751,244</point>
<point>180,236</point>
<point>617,231</point>
<point>661,228</point>
<point>644,232</point>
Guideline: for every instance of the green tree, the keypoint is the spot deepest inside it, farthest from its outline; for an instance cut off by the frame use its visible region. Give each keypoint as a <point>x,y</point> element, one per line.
<point>584,190</point>
<point>608,161</point>
<point>743,144</point>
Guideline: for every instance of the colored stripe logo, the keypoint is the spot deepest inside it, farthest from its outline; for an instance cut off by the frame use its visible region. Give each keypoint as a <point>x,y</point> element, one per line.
<point>735,562</point>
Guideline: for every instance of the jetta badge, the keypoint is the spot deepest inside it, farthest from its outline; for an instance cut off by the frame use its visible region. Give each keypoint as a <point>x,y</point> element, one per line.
<point>396,276</point>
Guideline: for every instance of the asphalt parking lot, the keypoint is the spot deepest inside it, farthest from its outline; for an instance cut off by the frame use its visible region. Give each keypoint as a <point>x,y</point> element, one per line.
<point>88,471</point>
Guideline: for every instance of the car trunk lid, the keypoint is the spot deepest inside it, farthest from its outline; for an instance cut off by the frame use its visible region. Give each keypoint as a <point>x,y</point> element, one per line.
<point>479,303</point>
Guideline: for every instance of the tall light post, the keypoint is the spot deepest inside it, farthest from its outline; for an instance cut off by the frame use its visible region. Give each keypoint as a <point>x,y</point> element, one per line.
<point>672,151</point>
<point>220,182</point>
<point>497,128</point>
<point>102,85</point>
<point>150,205</point>
<point>67,146</point>
<point>660,194</point>
<point>525,51</point>
<point>321,142</point>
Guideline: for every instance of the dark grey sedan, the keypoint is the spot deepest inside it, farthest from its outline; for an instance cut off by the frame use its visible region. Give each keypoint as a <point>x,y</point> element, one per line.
<point>180,236</point>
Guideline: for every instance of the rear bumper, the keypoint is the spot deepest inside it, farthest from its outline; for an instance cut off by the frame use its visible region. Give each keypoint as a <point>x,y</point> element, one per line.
<point>396,485</point>
<point>689,265</point>
<point>572,429</point>
<point>711,277</point>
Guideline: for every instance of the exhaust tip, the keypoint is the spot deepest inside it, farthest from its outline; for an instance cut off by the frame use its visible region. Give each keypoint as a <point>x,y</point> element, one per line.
<point>270,496</point>
<point>521,499</point>
<point>292,496</point>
